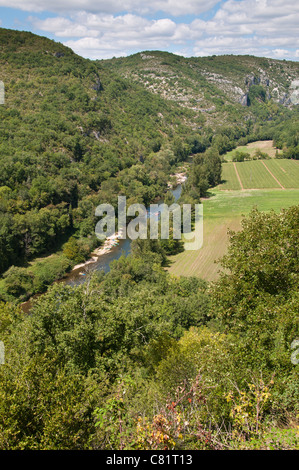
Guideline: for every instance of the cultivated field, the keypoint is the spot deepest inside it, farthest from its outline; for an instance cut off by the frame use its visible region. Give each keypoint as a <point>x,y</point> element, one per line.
<point>224,211</point>
<point>266,146</point>
<point>229,177</point>
<point>254,175</point>
<point>265,184</point>
<point>286,171</point>
<point>260,174</point>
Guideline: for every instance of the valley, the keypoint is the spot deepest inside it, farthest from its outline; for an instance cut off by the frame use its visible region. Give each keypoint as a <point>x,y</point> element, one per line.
<point>150,347</point>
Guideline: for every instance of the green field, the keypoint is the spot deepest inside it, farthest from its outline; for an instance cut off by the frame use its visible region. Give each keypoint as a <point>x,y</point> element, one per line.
<point>286,171</point>
<point>222,211</point>
<point>265,146</point>
<point>261,174</point>
<point>229,177</point>
<point>254,175</point>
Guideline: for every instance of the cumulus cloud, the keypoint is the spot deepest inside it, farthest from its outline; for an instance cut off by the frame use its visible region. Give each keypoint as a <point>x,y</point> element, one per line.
<point>281,53</point>
<point>171,7</point>
<point>101,29</point>
<point>97,33</point>
<point>257,27</point>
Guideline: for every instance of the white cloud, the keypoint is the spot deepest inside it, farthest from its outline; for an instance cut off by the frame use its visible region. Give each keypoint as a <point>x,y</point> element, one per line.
<point>93,28</point>
<point>171,7</point>
<point>114,44</point>
<point>98,33</point>
<point>257,27</point>
<point>281,53</point>
<point>94,48</point>
<point>259,9</point>
<point>63,27</point>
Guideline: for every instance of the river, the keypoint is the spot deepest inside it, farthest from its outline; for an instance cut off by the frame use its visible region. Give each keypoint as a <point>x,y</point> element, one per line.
<point>74,278</point>
<point>103,263</point>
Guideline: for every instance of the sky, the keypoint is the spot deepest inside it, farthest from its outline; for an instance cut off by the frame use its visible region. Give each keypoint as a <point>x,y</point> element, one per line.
<point>98,29</point>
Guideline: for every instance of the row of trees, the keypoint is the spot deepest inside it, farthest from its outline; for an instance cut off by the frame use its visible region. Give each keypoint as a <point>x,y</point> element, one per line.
<point>205,173</point>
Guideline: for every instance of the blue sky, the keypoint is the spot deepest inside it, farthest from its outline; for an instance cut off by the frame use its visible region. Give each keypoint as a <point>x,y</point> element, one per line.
<point>99,29</point>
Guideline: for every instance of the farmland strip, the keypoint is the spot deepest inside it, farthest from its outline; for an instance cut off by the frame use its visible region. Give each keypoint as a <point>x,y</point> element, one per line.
<point>238,176</point>
<point>272,174</point>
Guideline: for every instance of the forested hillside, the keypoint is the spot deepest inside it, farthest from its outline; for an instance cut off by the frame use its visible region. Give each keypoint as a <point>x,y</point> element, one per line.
<point>221,90</point>
<point>137,358</point>
<point>72,136</point>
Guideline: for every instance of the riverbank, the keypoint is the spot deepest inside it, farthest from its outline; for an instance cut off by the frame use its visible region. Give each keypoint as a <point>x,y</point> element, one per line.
<point>180,178</point>
<point>109,243</point>
<point>111,250</point>
<point>113,240</point>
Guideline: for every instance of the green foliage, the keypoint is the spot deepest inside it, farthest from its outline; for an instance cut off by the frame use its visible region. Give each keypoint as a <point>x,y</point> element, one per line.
<point>240,156</point>
<point>274,439</point>
<point>256,92</point>
<point>248,408</point>
<point>114,422</point>
<point>79,125</point>
<point>136,358</point>
<point>204,367</point>
<point>75,250</point>
<point>257,298</point>
<point>259,155</point>
<point>199,351</point>
<point>43,407</point>
<point>18,282</point>
<point>21,283</point>
<point>205,173</point>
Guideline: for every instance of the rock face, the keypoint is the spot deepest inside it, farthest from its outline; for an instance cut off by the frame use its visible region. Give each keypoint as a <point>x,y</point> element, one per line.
<point>285,100</point>
<point>294,92</point>
<point>244,100</point>
<point>273,86</point>
<point>204,84</point>
<point>252,80</point>
<point>283,96</point>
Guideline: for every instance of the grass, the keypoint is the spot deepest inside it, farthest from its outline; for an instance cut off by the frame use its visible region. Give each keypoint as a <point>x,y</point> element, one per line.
<point>229,177</point>
<point>265,146</point>
<point>230,201</point>
<point>286,171</point>
<point>254,175</point>
<point>224,211</point>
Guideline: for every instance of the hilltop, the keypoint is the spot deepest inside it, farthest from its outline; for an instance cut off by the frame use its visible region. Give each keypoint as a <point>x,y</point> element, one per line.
<point>213,85</point>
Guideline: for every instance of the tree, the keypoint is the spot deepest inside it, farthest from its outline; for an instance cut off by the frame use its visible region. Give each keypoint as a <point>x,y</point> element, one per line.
<point>256,296</point>
<point>43,407</point>
<point>18,282</point>
<point>240,156</point>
